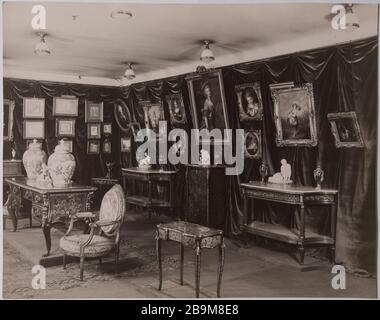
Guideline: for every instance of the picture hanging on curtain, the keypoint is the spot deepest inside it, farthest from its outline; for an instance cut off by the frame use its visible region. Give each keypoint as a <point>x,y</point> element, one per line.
<point>153,114</point>
<point>69,144</point>
<point>125,144</point>
<point>107,129</point>
<point>34,129</point>
<point>33,108</point>
<point>252,144</point>
<point>208,101</point>
<point>93,130</point>
<point>93,147</point>
<point>8,108</point>
<point>294,115</point>
<point>107,146</point>
<point>65,127</point>
<point>93,111</point>
<point>250,103</point>
<point>66,106</point>
<point>176,110</point>
<point>122,115</point>
<point>346,130</point>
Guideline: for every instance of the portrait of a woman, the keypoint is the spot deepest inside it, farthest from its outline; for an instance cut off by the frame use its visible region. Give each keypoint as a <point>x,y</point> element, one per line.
<point>249,102</point>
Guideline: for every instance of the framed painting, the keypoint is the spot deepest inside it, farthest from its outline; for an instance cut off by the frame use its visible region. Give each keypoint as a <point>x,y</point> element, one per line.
<point>34,129</point>
<point>208,102</point>
<point>107,146</point>
<point>33,108</point>
<point>107,129</point>
<point>294,115</point>
<point>122,116</point>
<point>65,127</point>
<point>135,128</point>
<point>153,113</point>
<point>176,110</point>
<point>125,144</point>
<point>69,144</point>
<point>93,130</point>
<point>8,108</point>
<point>93,111</point>
<point>66,106</point>
<point>346,130</point>
<point>250,103</point>
<point>93,146</point>
<point>252,144</point>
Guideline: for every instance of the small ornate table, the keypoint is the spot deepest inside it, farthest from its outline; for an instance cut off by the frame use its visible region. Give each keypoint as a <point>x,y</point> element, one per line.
<point>150,176</point>
<point>104,184</point>
<point>50,205</point>
<point>194,236</point>
<point>300,196</point>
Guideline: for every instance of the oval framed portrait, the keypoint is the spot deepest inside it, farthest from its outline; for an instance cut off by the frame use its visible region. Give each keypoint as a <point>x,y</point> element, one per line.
<point>122,115</point>
<point>252,144</point>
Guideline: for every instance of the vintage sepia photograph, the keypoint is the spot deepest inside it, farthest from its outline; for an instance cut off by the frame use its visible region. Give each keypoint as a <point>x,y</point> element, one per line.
<point>190,152</point>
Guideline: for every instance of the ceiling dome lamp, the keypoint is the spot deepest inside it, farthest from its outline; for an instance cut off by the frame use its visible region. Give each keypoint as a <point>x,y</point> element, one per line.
<point>207,55</point>
<point>42,48</point>
<point>352,21</point>
<point>129,73</point>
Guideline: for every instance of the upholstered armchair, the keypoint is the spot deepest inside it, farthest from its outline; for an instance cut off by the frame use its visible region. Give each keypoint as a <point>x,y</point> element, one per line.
<point>104,235</point>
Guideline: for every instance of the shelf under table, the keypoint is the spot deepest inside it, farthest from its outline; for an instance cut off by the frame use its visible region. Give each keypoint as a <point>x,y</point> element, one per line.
<point>145,202</point>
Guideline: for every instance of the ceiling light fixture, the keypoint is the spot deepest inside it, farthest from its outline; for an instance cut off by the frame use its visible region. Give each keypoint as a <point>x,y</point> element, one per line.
<point>42,48</point>
<point>207,55</point>
<point>121,14</point>
<point>129,73</point>
<point>352,21</point>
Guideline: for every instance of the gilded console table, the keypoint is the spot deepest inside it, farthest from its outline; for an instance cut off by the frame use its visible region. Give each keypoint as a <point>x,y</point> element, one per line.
<point>294,195</point>
<point>50,205</point>
<point>151,177</point>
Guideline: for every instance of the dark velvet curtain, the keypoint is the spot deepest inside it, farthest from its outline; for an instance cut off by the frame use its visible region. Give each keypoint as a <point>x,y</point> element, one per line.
<point>344,78</point>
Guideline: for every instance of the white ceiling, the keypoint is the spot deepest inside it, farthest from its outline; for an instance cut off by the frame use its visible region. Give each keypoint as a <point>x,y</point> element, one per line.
<point>162,38</point>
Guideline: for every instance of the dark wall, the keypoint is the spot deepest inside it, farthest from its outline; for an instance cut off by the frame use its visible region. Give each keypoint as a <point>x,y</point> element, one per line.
<point>344,78</point>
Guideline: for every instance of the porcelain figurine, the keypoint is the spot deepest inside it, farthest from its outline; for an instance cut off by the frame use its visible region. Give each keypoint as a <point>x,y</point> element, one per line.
<point>284,175</point>
<point>145,163</point>
<point>204,158</point>
<point>13,152</point>
<point>33,158</point>
<point>263,171</point>
<point>61,165</point>
<point>318,177</point>
<point>109,166</point>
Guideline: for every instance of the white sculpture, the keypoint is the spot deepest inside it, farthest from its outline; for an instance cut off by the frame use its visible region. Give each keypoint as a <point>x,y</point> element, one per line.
<point>284,175</point>
<point>145,162</point>
<point>204,158</point>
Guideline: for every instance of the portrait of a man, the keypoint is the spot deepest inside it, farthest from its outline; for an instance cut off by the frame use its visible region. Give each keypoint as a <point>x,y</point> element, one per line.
<point>294,115</point>
<point>249,102</point>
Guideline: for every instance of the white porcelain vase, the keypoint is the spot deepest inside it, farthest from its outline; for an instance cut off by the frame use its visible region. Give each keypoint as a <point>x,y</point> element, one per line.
<point>33,158</point>
<point>61,165</point>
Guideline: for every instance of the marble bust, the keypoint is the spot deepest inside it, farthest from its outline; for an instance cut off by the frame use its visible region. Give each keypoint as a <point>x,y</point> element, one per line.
<point>284,175</point>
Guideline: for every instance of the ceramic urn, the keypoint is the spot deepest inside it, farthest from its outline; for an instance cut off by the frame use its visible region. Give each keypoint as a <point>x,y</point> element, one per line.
<point>33,158</point>
<point>61,165</point>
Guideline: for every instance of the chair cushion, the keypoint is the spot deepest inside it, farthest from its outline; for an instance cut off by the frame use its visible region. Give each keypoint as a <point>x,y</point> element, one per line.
<point>112,207</point>
<point>98,246</point>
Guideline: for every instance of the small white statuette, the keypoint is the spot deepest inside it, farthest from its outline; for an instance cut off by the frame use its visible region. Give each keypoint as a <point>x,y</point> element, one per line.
<point>204,158</point>
<point>284,175</point>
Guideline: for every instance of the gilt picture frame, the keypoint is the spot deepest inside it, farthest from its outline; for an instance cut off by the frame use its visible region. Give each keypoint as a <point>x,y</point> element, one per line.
<point>252,144</point>
<point>346,130</point>
<point>33,108</point>
<point>65,127</point>
<point>93,146</point>
<point>107,146</point>
<point>65,106</point>
<point>176,110</point>
<point>122,115</point>
<point>125,144</point>
<point>34,129</point>
<point>93,111</point>
<point>93,130</point>
<point>250,102</point>
<point>294,115</point>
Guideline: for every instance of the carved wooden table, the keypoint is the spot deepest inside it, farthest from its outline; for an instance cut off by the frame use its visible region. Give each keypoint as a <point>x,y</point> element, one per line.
<point>51,205</point>
<point>104,184</point>
<point>152,177</point>
<point>196,237</point>
<point>295,195</point>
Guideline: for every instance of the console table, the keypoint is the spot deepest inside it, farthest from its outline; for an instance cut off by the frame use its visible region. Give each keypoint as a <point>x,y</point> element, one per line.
<point>294,195</point>
<point>151,177</point>
<point>49,205</point>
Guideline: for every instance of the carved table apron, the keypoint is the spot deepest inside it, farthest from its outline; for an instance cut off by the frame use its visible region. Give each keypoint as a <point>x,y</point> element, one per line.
<point>300,196</point>
<point>49,205</point>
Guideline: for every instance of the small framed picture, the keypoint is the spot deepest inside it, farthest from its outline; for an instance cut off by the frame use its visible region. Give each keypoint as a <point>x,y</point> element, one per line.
<point>93,130</point>
<point>93,146</point>
<point>107,146</point>
<point>65,127</point>
<point>34,129</point>
<point>252,144</point>
<point>346,130</point>
<point>65,106</point>
<point>33,108</point>
<point>93,111</point>
<point>69,144</point>
<point>125,144</point>
<point>107,129</point>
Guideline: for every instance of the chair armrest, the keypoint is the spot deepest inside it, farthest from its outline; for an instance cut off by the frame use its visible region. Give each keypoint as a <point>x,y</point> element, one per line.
<point>103,223</point>
<point>87,214</point>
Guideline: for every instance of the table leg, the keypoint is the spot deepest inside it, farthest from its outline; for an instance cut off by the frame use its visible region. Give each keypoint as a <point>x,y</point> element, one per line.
<point>245,210</point>
<point>197,269</point>
<point>13,215</point>
<point>182,258</point>
<point>333,231</point>
<point>158,248</point>
<point>221,267</point>
<point>46,231</point>
<point>302,234</point>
